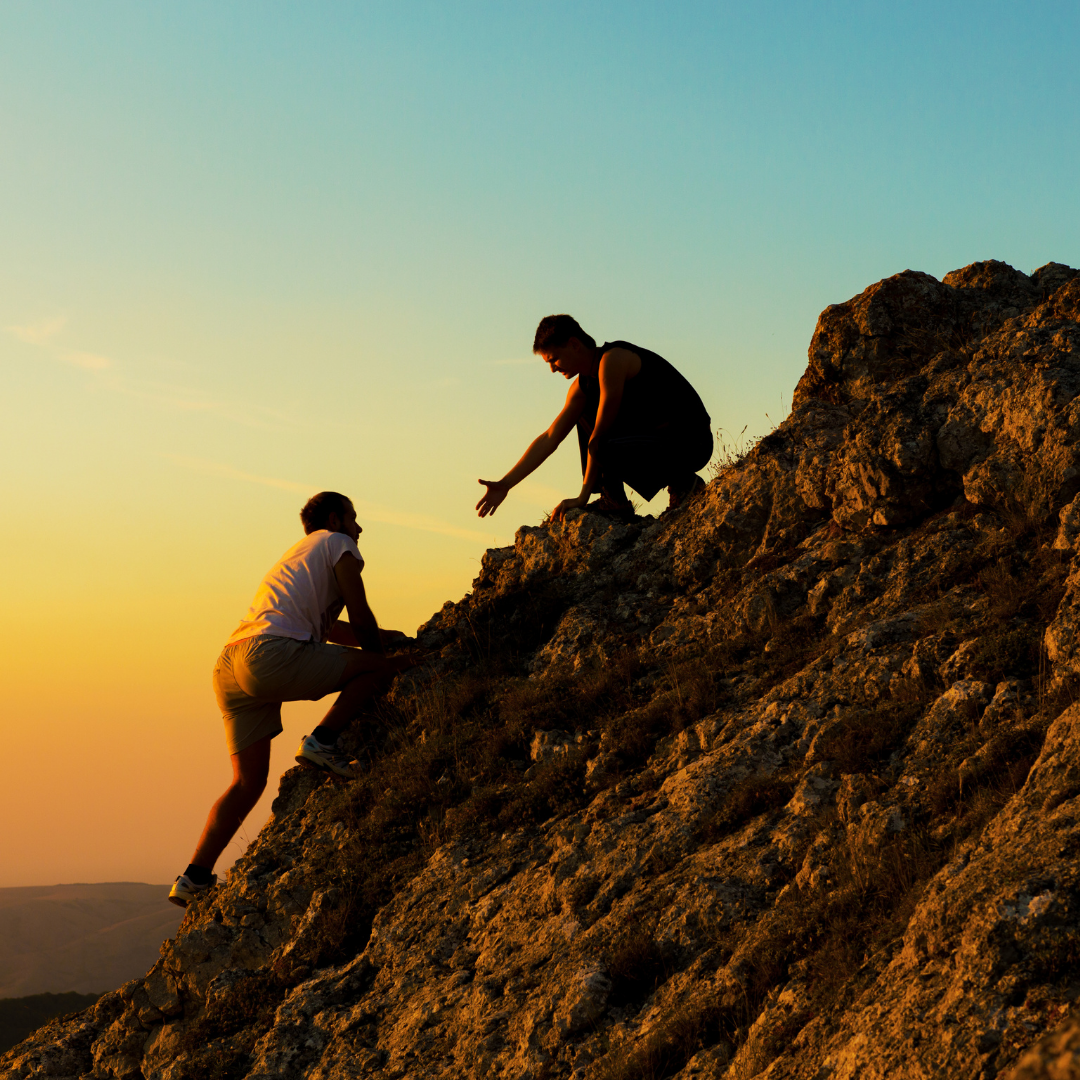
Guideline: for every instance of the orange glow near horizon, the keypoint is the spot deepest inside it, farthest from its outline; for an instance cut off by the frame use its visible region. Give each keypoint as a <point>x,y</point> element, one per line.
<point>114,743</point>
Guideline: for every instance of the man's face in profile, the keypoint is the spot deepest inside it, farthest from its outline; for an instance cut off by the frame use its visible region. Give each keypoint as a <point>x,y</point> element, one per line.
<point>347,524</point>
<point>568,360</point>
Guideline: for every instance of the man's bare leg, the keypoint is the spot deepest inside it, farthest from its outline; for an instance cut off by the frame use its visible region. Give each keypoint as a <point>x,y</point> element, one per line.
<point>366,676</point>
<point>250,769</point>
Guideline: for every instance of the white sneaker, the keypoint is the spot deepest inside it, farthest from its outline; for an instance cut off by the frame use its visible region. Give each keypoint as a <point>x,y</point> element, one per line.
<point>184,889</point>
<point>312,752</point>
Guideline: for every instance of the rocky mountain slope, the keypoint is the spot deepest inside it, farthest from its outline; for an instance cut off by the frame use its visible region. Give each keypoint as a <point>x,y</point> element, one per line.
<point>784,783</point>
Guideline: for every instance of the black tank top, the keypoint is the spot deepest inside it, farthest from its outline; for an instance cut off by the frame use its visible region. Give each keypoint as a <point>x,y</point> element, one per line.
<point>656,399</point>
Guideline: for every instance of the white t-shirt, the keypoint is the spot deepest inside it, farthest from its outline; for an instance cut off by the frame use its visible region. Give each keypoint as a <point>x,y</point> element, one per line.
<point>300,597</point>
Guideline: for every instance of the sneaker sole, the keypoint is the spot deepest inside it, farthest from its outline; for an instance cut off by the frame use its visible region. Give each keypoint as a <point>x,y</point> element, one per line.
<point>179,901</point>
<point>301,760</point>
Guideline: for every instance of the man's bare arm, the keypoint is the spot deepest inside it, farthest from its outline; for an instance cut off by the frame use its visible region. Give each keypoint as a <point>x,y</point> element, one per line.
<point>362,622</point>
<point>341,633</point>
<point>540,449</point>
<point>616,366</point>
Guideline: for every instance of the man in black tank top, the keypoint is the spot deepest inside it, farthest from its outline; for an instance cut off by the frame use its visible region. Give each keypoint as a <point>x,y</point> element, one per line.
<point>639,422</point>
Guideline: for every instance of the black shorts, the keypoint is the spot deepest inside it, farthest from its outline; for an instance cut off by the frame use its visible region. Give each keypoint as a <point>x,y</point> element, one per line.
<point>651,462</point>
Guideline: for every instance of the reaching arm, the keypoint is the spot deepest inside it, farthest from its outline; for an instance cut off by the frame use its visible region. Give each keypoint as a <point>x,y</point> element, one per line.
<point>362,624</point>
<point>616,366</point>
<point>540,449</point>
<point>341,633</point>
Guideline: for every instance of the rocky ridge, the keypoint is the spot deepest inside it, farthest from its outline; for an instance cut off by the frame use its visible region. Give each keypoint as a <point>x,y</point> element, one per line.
<point>784,783</point>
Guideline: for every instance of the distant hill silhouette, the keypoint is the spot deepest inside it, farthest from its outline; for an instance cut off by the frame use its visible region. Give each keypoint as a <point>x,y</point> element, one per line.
<point>20,1016</point>
<point>84,938</point>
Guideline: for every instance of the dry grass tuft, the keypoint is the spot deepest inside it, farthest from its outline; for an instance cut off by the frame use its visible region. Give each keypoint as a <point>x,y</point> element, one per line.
<point>730,451</point>
<point>755,795</point>
<point>866,737</point>
<point>637,965</point>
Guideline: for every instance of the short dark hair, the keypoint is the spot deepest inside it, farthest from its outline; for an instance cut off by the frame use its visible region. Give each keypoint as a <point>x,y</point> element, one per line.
<point>555,331</point>
<point>318,508</point>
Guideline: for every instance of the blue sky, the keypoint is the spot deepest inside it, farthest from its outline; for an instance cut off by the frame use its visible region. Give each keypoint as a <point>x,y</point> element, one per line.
<point>408,187</point>
<point>251,250</point>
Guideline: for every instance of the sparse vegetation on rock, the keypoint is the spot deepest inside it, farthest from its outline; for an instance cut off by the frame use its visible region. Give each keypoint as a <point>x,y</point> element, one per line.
<point>784,783</point>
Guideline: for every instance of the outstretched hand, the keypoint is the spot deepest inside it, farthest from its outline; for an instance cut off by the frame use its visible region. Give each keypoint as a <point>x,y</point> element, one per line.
<point>568,504</point>
<point>497,490</point>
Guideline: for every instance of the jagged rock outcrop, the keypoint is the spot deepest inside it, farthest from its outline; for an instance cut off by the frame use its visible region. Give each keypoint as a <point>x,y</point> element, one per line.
<point>784,783</point>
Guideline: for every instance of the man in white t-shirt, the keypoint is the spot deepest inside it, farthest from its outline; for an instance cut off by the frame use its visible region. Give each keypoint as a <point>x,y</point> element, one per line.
<point>291,646</point>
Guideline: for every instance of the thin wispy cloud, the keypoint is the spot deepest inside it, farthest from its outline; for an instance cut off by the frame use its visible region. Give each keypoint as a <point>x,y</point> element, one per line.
<point>186,399</point>
<point>183,398</point>
<point>167,395</point>
<point>532,493</point>
<point>364,509</point>
<point>215,468</point>
<point>87,361</point>
<point>420,522</point>
<point>40,332</point>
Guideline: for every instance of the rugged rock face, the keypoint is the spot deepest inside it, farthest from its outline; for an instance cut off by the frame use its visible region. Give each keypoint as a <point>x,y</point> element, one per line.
<point>784,783</point>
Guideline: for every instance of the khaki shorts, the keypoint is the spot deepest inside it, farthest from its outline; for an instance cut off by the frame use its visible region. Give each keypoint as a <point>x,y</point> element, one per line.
<point>253,677</point>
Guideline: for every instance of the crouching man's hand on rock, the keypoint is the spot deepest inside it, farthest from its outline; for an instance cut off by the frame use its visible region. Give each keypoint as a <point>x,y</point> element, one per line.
<point>569,504</point>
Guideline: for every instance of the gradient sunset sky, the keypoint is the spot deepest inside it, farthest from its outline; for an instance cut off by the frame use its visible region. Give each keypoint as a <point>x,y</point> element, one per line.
<point>254,250</point>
